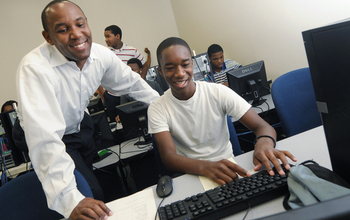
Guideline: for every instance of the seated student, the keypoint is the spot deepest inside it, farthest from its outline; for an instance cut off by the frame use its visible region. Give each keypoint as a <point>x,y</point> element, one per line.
<point>8,106</point>
<point>136,66</point>
<point>219,64</point>
<point>189,122</point>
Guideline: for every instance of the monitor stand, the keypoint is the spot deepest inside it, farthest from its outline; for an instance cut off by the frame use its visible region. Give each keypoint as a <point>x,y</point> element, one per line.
<point>257,100</point>
<point>148,140</point>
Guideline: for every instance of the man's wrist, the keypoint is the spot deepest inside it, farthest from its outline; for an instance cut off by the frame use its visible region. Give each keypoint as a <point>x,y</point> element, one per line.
<point>265,136</point>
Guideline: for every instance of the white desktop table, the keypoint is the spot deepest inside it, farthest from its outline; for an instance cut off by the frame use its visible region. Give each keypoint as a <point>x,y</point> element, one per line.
<point>125,150</point>
<point>264,107</point>
<point>305,146</point>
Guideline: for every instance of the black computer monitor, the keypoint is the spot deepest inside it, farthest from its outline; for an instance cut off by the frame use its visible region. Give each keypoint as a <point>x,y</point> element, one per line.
<point>133,116</point>
<point>337,208</point>
<point>202,68</point>
<point>8,120</point>
<point>327,49</point>
<point>95,105</point>
<point>103,135</point>
<point>250,82</point>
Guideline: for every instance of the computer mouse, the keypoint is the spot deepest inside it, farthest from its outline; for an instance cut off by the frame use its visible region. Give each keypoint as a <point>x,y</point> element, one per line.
<point>164,186</point>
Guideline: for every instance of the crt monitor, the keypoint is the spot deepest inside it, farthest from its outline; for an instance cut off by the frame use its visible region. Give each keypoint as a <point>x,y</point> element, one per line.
<point>133,116</point>
<point>8,120</point>
<point>202,68</point>
<point>250,82</point>
<point>327,49</point>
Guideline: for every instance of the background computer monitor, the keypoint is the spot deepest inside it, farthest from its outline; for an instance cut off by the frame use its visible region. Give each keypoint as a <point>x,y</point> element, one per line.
<point>154,75</point>
<point>202,68</point>
<point>8,120</point>
<point>327,49</point>
<point>95,105</point>
<point>250,82</point>
<point>103,135</point>
<point>133,116</point>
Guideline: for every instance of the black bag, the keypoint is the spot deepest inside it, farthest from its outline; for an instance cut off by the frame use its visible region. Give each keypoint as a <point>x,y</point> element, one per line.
<point>310,183</point>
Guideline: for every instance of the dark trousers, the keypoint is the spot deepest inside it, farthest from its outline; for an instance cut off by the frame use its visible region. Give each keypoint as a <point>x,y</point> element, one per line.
<point>80,146</point>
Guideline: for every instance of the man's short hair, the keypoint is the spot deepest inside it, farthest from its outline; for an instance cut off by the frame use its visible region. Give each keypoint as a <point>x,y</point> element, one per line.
<point>10,102</point>
<point>115,30</point>
<point>214,48</point>
<point>44,15</point>
<point>170,42</point>
<point>135,60</point>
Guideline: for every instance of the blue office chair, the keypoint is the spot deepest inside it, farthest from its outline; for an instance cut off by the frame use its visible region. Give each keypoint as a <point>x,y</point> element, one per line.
<point>233,139</point>
<point>24,198</point>
<point>295,102</point>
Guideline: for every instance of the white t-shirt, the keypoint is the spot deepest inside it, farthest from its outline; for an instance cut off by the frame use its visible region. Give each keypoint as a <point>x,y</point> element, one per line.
<point>198,125</point>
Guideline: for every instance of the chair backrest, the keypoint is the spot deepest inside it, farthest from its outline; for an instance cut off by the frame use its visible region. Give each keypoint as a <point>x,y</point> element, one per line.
<point>295,102</point>
<point>24,198</point>
<point>233,139</point>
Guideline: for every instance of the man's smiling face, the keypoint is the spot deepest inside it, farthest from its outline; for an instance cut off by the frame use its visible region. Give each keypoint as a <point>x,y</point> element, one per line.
<point>68,30</point>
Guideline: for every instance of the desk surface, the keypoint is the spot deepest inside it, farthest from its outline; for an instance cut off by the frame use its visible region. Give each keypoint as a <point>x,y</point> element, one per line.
<point>125,150</point>
<point>266,106</point>
<point>308,145</point>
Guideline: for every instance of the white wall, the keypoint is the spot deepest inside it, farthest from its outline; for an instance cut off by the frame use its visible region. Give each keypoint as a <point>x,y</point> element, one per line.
<point>249,31</point>
<point>254,30</point>
<point>144,24</point>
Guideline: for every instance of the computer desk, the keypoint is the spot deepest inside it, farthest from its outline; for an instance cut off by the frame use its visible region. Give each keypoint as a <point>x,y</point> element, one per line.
<point>266,106</point>
<point>124,151</point>
<point>305,146</point>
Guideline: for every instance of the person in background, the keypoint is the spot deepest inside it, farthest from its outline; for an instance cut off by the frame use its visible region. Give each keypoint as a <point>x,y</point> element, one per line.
<point>113,38</point>
<point>8,106</point>
<point>136,66</point>
<point>54,83</point>
<point>219,64</point>
<point>191,142</point>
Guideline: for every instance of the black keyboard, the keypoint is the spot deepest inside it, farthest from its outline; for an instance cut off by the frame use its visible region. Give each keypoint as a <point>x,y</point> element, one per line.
<point>228,199</point>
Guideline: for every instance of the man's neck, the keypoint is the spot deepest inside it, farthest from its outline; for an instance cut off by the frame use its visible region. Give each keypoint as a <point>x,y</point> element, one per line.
<point>119,45</point>
<point>218,70</point>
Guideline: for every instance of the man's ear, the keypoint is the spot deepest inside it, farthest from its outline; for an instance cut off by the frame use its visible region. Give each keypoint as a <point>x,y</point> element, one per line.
<point>160,71</point>
<point>47,37</point>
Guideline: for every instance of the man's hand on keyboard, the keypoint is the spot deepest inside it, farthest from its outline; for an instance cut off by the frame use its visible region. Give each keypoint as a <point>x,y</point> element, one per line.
<point>265,155</point>
<point>223,171</point>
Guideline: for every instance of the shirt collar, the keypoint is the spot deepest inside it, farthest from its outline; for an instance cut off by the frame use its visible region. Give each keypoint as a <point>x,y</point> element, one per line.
<point>57,59</point>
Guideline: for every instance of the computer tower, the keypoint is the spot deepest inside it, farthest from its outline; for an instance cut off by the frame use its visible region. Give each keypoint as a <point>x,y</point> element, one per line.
<point>328,49</point>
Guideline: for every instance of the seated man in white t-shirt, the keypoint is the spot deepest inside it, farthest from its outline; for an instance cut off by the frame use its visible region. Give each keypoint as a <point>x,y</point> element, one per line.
<point>189,122</point>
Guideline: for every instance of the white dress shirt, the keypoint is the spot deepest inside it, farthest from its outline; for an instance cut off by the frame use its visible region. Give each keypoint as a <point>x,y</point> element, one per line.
<point>53,94</point>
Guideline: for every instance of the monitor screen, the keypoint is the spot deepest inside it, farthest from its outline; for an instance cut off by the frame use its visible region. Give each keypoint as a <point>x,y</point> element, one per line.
<point>133,116</point>
<point>250,82</point>
<point>202,68</point>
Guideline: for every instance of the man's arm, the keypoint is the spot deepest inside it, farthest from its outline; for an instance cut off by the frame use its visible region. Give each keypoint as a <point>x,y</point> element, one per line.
<point>264,151</point>
<point>120,80</point>
<point>147,64</point>
<point>221,172</point>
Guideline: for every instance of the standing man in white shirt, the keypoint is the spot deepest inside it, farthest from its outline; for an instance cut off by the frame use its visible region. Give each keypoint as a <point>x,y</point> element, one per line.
<point>54,83</point>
